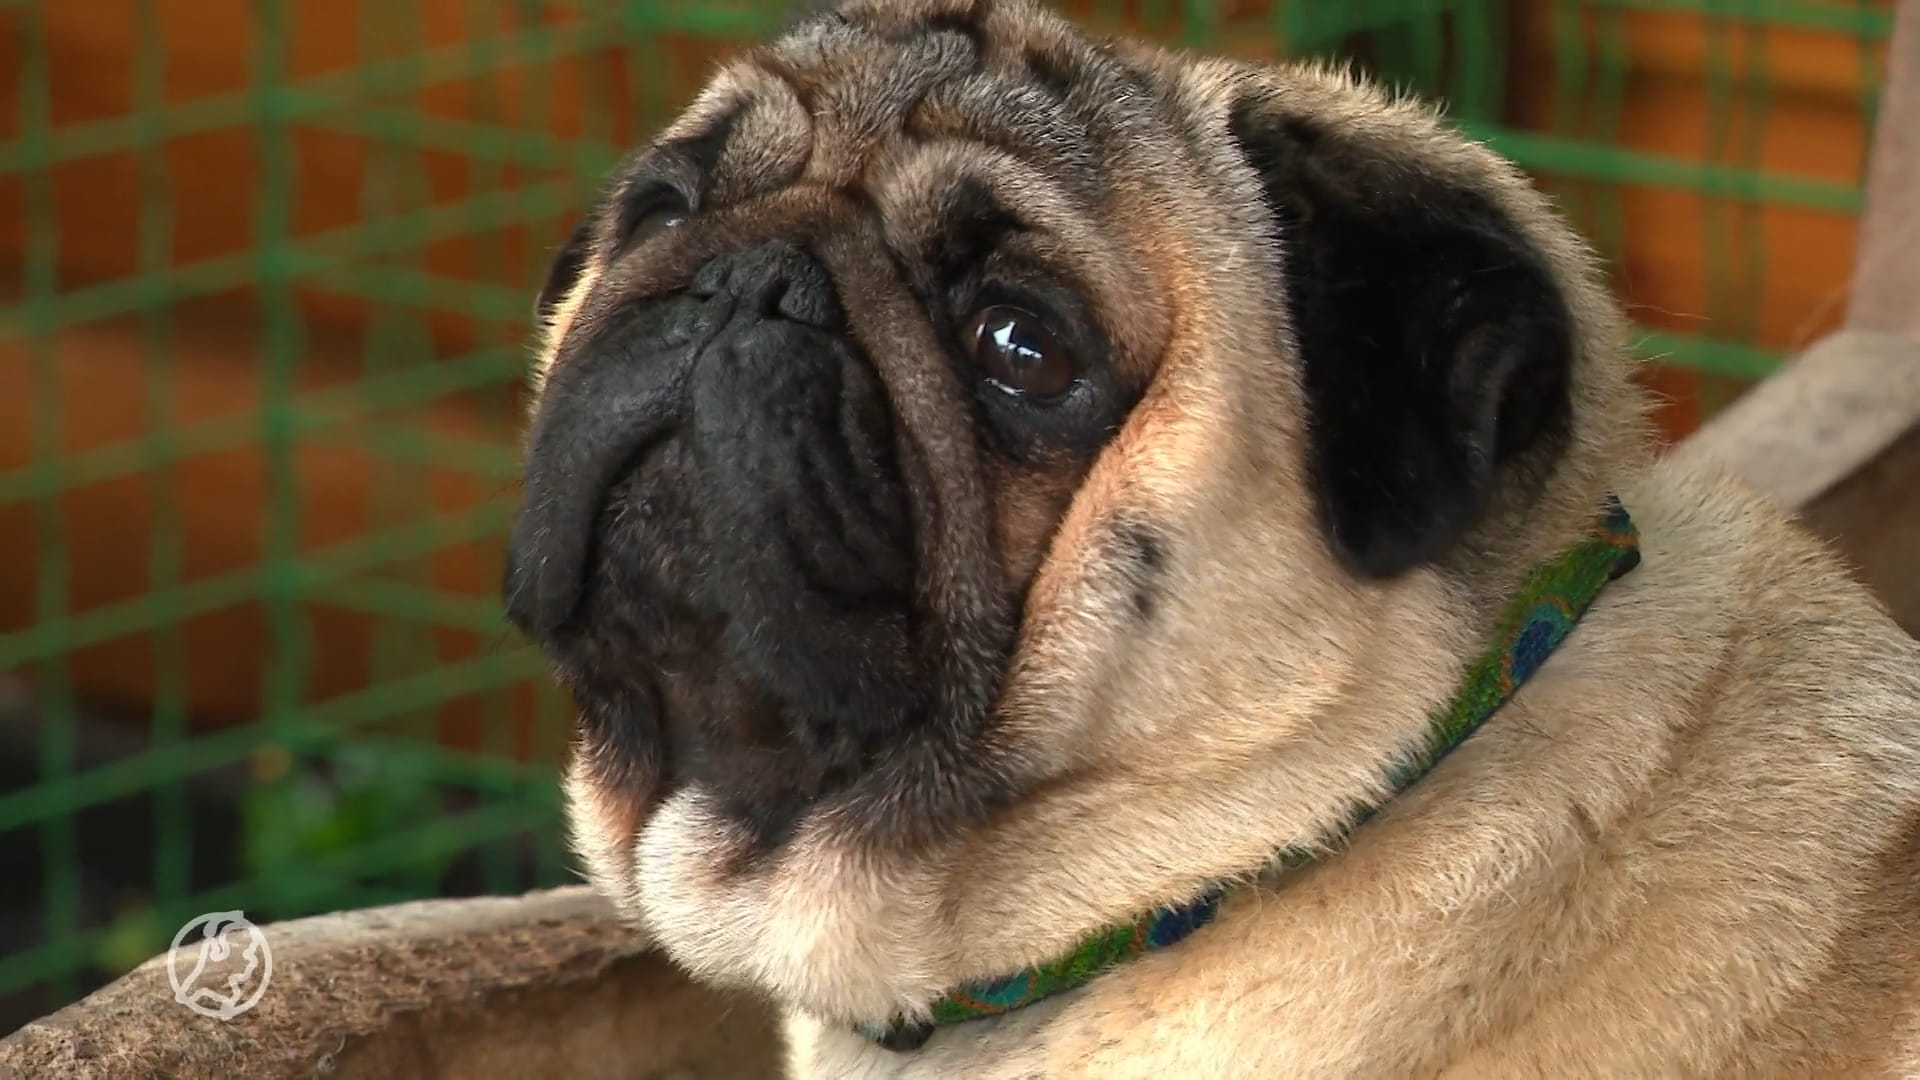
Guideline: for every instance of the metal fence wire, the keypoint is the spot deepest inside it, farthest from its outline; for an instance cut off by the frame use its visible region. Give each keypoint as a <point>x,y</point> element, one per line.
<point>264,273</point>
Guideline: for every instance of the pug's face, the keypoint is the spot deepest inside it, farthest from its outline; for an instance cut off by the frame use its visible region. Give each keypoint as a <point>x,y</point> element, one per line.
<point>966,448</point>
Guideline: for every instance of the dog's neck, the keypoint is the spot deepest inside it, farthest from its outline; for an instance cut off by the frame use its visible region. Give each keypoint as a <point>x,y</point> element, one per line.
<point>1542,612</point>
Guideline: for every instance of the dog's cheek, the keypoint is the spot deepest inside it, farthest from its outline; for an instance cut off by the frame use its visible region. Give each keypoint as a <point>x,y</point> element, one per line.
<point>1028,505</point>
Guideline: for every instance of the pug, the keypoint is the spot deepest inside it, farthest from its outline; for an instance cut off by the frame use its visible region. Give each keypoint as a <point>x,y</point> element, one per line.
<point>1076,559</point>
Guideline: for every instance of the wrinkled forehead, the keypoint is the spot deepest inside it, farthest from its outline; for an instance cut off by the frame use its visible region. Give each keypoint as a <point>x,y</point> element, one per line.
<point>910,107</point>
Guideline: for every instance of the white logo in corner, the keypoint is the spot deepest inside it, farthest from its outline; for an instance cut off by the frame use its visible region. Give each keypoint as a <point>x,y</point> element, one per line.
<point>223,970</point>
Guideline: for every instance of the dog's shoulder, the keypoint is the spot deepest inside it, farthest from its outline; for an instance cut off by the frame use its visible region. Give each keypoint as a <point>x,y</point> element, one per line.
<point>1807,747</point>
<point>1693,842</point>
<point>1807,649</point>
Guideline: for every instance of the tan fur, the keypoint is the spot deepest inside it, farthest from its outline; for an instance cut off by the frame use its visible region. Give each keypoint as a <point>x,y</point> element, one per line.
<point>1620,871</point>
<point>1691,846</point>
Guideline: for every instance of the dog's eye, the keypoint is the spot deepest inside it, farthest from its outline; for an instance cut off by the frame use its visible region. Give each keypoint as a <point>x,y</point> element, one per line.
<point>1016,351</point>
<point>644,218</point>
<point>652,223</point>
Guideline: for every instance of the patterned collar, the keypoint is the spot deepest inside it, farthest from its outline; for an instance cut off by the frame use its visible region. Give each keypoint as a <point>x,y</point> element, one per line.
<point>1540,615</point>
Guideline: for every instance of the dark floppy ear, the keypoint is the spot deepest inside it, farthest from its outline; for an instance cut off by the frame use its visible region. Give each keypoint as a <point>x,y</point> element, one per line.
<point>1436,344</point>
<point>565,269</point>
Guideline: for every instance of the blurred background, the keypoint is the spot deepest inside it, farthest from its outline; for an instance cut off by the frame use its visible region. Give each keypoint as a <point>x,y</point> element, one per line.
<point>264,273</point>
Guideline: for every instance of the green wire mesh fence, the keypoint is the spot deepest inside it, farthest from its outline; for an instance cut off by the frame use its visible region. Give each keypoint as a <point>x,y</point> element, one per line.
<point>264,267</point>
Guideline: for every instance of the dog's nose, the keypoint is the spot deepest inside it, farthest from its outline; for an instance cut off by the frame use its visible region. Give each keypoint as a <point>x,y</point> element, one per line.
<point>774,280</point>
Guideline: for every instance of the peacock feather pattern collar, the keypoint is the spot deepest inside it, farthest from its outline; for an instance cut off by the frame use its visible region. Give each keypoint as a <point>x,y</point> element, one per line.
<point>1539,617</point>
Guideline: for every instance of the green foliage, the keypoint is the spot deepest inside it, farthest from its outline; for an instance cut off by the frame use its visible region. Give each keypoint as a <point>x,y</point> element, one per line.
<point>362,795</point>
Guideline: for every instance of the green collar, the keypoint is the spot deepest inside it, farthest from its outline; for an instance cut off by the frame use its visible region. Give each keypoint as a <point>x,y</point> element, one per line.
<point>1549,602</point>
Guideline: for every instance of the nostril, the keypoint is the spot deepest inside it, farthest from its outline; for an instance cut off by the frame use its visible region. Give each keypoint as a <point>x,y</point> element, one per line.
<point>764,298</point>
<point>720,277</point>
<point>809,298</point>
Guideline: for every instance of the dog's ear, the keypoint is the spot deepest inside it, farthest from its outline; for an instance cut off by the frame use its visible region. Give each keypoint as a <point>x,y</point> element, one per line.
<point>564,270</point>
<point>1435,341</point>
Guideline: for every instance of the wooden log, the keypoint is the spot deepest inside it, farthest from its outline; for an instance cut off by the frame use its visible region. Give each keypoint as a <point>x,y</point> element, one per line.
<point>547,984</point>
<point>1886,279</point>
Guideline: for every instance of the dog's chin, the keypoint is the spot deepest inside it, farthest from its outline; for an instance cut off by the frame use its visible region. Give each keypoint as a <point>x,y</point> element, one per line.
<point>816,925</point>
<point>709,847</point>
<point>667,719</point>
<point>669,713</point>
<point>698,728</point>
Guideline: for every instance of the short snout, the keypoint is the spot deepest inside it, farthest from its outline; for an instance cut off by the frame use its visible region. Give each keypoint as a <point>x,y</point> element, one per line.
<point>782,425</point>
<point>714,520</point>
